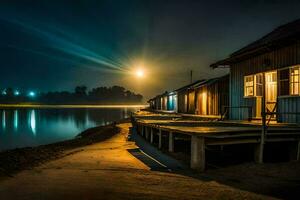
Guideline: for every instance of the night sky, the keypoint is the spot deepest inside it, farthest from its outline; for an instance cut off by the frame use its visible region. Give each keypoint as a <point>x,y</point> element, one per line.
<point>56,45</point>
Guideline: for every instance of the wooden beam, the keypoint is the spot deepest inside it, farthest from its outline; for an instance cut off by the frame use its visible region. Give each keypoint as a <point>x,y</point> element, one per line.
<point>232,141</point>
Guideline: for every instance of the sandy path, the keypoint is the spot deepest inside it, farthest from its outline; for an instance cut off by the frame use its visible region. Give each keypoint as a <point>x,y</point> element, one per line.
<point>107,170</point>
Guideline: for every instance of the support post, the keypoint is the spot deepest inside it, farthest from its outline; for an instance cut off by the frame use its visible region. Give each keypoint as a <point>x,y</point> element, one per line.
<point>171,142</point>
<point>142,130</point>
<point>147,133</point>
<point>151,136</point>
<point>159,139</point>
<point>260,158</point>
<point>294,151</point>
<point>258,152</point>
<point>197,153</point>
<point>137,129</point>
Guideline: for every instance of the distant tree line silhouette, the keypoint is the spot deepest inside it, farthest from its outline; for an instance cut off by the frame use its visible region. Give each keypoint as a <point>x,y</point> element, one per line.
<point>81,95</point>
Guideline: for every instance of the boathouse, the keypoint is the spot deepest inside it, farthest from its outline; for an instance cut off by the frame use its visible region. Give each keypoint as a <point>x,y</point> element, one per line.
<point>186,98</point>
<point>270,68</point>
<point>212,96</point>
<point>161,102</point>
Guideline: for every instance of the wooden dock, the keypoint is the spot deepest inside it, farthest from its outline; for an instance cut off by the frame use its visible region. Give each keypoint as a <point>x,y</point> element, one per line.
<point>203,134</point>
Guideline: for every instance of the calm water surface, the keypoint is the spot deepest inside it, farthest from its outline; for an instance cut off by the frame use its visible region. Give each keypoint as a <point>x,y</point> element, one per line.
<point>33,127</point>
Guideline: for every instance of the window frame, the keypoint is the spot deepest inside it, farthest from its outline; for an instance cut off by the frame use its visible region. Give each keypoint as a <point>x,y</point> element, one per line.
<point>251,86</point>
<point>256,84</point>
<point>280,81</point>
<point>292,82</point>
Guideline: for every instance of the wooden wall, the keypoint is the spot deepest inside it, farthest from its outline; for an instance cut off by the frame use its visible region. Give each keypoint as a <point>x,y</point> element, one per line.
<point>212,97</point>
<point>158,103</point>
<point>201,100</point>
<point>276,59</point>
<point>164,103</point>
<point>181,102</point>
<point>191,102</point>
<point>223,94</point>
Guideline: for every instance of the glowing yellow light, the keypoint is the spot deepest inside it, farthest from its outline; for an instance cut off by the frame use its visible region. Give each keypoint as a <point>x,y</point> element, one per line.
<point>140,73</point>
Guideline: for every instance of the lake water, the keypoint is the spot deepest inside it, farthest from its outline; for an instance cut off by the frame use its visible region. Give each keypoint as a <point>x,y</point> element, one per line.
<point>33,127</point>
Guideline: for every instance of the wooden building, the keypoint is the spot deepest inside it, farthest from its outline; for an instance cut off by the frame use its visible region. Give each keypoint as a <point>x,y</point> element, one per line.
<point>268,67</point>
<point>186,98</point>
<point>160,102</point>
<point>172,102</point>
<point>212,96</point>
<point>203,97</point>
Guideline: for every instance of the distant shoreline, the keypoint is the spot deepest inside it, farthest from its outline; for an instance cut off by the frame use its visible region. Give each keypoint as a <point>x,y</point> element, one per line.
<point>70,106</point>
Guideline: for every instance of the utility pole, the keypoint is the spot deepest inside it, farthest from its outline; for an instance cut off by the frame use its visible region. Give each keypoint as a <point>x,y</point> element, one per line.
<point>264,118</point>
<point>191,76</point>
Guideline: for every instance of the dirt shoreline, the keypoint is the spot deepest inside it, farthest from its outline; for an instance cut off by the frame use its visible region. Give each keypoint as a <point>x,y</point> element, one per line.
<point>16,160</point>
<point>111,169</point>
<point>95,152</point>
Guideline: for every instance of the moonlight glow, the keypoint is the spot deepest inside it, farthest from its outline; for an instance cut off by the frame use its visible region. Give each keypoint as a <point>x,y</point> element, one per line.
<point>140,73</point>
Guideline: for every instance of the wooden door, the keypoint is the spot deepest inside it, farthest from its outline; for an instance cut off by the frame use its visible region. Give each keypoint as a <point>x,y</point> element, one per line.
<point>271,90</point>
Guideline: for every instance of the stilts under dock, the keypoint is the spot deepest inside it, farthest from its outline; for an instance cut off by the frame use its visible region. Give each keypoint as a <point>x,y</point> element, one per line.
<point>165,128</point>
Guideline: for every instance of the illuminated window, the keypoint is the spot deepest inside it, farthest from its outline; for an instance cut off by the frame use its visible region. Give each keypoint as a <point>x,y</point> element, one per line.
<point>271,87</point>
<point>249,86</point>
<point>294,80</point>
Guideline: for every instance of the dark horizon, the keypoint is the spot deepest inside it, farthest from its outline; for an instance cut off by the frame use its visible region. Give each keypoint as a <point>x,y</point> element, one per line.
<point>56,45</point>
<point>81,95</point>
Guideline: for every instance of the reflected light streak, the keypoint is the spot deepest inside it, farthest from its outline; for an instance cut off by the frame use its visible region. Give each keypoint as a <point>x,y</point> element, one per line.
<point>33,122</point>
<point>3,120</point>
<point>16,119</point>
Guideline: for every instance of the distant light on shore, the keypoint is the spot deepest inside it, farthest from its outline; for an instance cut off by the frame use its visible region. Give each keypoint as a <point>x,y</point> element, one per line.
<point>31,94</point>
<point>16,93</point>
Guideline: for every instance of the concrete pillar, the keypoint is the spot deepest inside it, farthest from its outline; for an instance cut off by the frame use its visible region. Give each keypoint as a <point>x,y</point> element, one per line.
<point>147,132</point>
<point>294,151</point>
<point>171,142</point>
<point>258,153</point>
<point>159,139</point>
<point>198,153</point>
<point>151,136</point>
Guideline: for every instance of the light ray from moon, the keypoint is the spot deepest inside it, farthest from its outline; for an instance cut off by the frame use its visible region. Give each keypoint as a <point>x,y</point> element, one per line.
<point>66,46</point>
